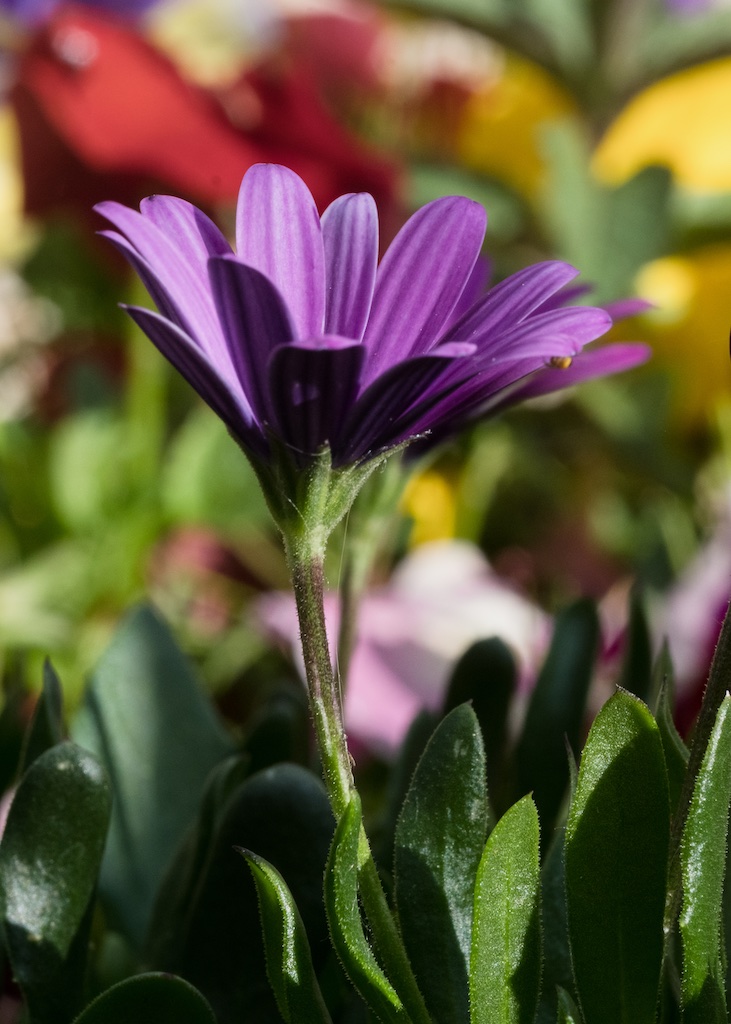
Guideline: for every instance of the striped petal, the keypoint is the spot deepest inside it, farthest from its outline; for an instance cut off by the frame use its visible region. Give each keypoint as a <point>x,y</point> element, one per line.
<point>254,321</point>
<point>193,234</point>
<point>420,280</point>
<point>278,233</point>
<point>223,395</point>
<point>350,237</point>
<point>312,385</point>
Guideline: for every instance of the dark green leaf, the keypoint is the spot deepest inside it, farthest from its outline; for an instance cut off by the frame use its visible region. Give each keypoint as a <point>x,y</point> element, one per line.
<point>617,839</point>
<point>440,837</point>
<point>567,1010</point>
<point>556,709</point>
<point>636,673</point>
<point>676,752</point>
<point>49,860</point>
<point>149,999</point>
<point>505,971</point>
<point>46,726</point>
<point>147,720</point>
<point>289,961</point>
<point>703,863</point>
<point>346,926</point>
<point>212,936</point>
<point>486,675</point>
<point>557,970</point>
<point>400,776</point>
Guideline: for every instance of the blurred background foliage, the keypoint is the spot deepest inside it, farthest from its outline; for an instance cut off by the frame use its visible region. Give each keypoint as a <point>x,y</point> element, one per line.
<point>594,131</point>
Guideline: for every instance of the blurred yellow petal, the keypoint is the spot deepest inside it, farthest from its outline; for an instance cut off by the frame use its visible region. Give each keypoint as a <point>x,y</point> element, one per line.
<point>429,500</point>
<point>680,122</point>
<point>16,236</point>
<point>500,130</point>
<point>689,330</point>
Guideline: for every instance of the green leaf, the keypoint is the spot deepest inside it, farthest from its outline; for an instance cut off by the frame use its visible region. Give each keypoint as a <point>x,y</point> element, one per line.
<point>557,969</point>
<point>703,864</point>
<point>556,709</point>
<point>289,961</point>
<point>486,675</point>
<point>636,673</point>
<point>210,933</point>
<point>505,972</point>
<point>46,725</point>
<point>149,999</point>
<point>49,860</point>
<point>568,1012</point>
<point>676,752</point>
<point>617,839</point>
<point>145,717</point>
<point>440,837</point>
<point>346,926</point>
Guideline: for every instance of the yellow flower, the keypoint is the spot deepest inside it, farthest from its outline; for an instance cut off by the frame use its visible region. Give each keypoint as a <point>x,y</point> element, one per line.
<point>689,329</point>
<point>500,130</point>
<point>679,122</point>
<point>429,499</point>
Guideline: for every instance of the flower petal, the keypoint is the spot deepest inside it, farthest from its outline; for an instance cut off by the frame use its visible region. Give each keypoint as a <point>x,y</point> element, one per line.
<point>192,233</point>
<point>312,385</point>
<point>560,332</point>
<point>278,232</point>
<point>350,237</point>
<point>254,320</point>
<point>223,395</point>
<point>623,309</point>
<point>599,362</point>
<point>420,280</point>
<point>188,295</point>
<point>511,301</point>
<point>386,410</point>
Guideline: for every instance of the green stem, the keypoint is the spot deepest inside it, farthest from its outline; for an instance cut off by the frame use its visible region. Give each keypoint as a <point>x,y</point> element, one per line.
<point>306,568</point>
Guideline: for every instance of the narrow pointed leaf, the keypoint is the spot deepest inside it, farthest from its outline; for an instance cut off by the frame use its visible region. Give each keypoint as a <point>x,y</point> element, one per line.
<point>568,1012</point>
<point>617,839</point>
<point>557,969</point>
<point>703,864</point>
<point>149,999</point>
<point>346,926</point>
<point>505,972</point>
<point>289,961</point>
<point>556,710</point>
<point>49,861</point>
<point>46,726</point>
<point>440,837</point>
<point>676,752</point>
<point>146,718</point>
<point>636,673</point>
<point>486,675</point>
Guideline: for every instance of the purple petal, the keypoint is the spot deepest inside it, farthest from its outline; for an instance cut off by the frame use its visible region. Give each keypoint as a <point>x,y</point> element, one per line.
<point>223,395</point>
<point>623,309</point>
<point>254,321</point>
<point>561,332</point>
<point>188,300</point>
<point>475,288</point>
<point>600,362</point>
<point>312,386</point>
<point>566,297</point>
<point>511,301</point>
<point>350,237</point>
<point>420,280</point>
<point>385,411</point>
<point>278,233</point>
<point>193,233</point>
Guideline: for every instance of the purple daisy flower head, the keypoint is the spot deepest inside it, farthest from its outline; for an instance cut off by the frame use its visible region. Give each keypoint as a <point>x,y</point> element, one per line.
<point>303,343</point>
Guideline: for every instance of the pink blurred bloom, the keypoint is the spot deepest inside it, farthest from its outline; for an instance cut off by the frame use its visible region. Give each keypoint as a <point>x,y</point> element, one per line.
<point>442,598</point>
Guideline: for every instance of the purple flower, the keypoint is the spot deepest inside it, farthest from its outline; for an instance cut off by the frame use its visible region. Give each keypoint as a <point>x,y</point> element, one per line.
<point>302,338</point>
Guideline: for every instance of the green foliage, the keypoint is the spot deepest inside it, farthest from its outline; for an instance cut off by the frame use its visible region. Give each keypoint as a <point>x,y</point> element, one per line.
<point>505,968</point>
<point>49,858</point>
<point>703,862</point>
<point>157,761</point>
<point>617,840</point>
<point>149,999</point>
<point>440,836</point>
